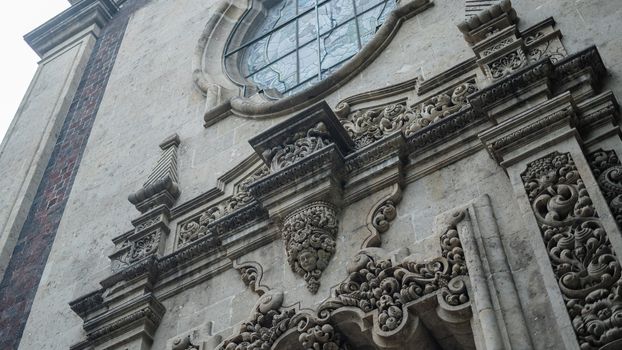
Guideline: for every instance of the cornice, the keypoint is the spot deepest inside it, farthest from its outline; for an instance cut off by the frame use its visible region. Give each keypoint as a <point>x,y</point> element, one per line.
<point>82,15</point>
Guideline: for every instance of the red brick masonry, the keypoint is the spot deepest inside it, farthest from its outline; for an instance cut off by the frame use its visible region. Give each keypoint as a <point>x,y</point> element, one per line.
<point>23,274</point>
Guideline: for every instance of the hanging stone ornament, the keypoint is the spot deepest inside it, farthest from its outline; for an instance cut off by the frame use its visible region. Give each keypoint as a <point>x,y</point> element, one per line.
<point>309,235</point>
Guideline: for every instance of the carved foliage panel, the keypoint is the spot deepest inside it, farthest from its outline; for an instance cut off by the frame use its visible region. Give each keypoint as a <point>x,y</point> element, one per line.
<point>374,283</point>
<point>608,171</point>
<point>196,227</point>
<point>369,125</point>
<point>583,261</point>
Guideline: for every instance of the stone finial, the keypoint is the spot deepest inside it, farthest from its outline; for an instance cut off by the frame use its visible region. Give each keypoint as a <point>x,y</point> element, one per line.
<point>161,187</point>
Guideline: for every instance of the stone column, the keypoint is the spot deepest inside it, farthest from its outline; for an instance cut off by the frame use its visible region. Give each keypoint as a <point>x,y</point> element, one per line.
<point>64,44</point>
<point>573,234</point>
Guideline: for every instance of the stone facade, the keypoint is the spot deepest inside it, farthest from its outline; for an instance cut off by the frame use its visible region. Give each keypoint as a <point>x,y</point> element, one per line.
<point>454,185</point>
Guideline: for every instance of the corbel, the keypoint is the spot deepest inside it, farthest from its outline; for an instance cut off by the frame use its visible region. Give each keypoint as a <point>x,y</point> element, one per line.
<point>303,192</point>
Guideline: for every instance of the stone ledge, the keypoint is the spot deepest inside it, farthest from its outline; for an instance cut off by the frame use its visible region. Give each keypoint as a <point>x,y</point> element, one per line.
<point>80,16</point>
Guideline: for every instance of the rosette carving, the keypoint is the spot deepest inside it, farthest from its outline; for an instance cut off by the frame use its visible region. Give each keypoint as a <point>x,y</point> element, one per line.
<point>297,147</point>
<point>309,235</point>
<point>378,284</point>
<point>608,171</point>
<point>581,255</point>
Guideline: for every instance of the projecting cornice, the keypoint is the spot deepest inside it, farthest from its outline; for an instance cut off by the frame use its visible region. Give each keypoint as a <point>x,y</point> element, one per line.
<point>90,15</point>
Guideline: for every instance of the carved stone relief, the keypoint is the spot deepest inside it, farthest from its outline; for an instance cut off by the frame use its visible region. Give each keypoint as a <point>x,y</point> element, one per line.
<point>583,261</point>
<point>196,227</point>
<point>374,283</point>
<point>380,218</point>
<point>251,274</point>
<point>379,284</point>
<point>367,126</point>
<point>608,171</point>
<point>309,235</point>
<point>297,147</point>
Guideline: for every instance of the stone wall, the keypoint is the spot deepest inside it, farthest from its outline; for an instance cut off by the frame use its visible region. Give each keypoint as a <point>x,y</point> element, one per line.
<point>150,95</point>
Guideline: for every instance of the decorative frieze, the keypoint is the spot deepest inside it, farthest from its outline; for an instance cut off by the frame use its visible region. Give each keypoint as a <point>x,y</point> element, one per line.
<point>583,261</point>
<point>309,235</point>
<point>370,125</point>
<point>199,225</point>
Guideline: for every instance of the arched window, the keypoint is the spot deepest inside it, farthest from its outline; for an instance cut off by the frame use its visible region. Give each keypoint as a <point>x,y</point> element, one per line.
<point>284,46</point>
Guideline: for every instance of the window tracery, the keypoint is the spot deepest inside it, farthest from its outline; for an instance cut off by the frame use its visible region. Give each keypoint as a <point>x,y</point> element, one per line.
<point>293,44</point>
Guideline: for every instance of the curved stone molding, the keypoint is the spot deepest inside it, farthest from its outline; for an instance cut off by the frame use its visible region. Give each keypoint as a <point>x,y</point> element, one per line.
<point>309,235</point>
<point>380,217</point>
<point>582,258</point>
<point>252,273</point>
<point>258,107</point>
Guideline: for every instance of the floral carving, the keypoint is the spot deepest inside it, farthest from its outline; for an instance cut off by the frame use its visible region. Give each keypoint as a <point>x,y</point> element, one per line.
<point>266,324</point>
<point>270,320</point>
<point>309,235</point>
<point>581,255</point>
<point>368,126</point>
<point>197,227</point>
<point>297,147</point>
<point>608,171</point>
<point>506,65</point>
<point>378,284</point>
<point>547,49</point>
<point>322,337</point>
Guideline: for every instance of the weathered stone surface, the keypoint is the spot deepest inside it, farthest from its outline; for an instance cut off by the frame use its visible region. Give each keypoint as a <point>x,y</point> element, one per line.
<point>423,131</point>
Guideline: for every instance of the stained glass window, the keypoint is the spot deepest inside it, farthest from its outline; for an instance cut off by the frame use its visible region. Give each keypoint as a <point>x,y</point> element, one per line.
<point>293,44</point>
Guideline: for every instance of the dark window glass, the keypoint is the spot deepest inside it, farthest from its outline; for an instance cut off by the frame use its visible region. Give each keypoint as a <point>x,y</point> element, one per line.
<point>293,44</point>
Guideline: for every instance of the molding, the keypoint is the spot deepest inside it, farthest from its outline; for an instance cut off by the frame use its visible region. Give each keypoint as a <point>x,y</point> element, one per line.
<point>257,107</point>
<point>80,16</point>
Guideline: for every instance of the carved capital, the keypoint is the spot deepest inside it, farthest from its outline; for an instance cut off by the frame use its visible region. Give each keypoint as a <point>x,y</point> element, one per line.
<point>309,235</point>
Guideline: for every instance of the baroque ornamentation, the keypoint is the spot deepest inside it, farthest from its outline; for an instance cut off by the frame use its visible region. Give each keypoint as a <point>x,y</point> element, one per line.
<point>252,274</point>
<point>197,227</point>
<point>585,265</point>
<point>368,126</point>
<point>506,65</point>
<point>379,284</point>
<point>270,320</point>
<point>384,215</point>
<point>608,171</point>
<point>547,49</point>
<point>309,235</point>
<point>298,146</point>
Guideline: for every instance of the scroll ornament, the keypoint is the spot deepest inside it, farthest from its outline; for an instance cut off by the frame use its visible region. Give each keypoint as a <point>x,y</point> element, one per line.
<point>581,255</point>
<point>298,147</point>
<point>378,284</point>
<point>309,235</point>
<point>367,126</point>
